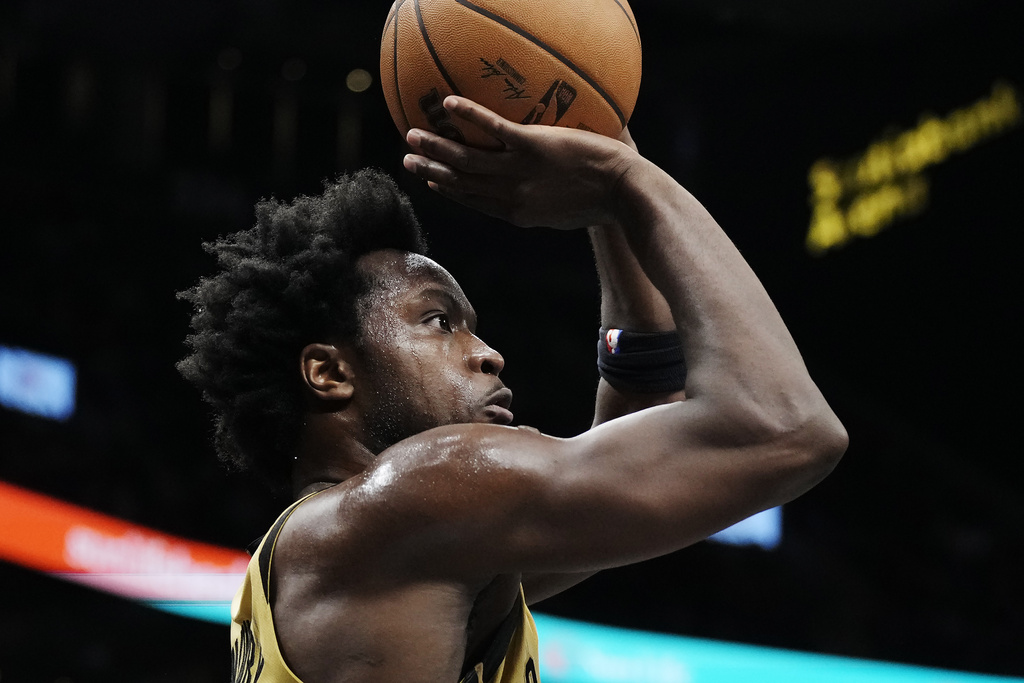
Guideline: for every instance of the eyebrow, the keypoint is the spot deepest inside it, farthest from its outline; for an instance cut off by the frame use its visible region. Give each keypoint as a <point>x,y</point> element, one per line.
<point>457,303</point>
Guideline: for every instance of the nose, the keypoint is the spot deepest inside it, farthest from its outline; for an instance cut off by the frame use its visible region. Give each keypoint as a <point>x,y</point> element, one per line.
<point>482,358</point>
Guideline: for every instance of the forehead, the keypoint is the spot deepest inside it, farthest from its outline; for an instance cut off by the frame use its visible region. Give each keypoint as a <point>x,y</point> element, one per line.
<point>399,275</point>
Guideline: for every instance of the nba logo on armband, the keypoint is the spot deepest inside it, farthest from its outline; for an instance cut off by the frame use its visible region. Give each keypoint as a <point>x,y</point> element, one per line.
<point>611,338</point>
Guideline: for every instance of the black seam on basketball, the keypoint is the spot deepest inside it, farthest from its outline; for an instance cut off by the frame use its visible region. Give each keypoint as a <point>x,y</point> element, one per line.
<point>394,65</point>
<point>433,53</point>
<point>551,51</point>
<point>392,14</point>
<point>630,20</point>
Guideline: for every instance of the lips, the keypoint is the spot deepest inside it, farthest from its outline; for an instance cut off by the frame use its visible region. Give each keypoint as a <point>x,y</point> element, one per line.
<point>495,409</point>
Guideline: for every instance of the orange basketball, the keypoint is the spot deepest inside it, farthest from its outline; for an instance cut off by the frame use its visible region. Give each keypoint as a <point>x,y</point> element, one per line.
<point>573,63</point>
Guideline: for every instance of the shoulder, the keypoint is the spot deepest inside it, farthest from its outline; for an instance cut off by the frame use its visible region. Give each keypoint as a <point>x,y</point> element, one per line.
<point>449,473</point>
<point>491,453</point>
<point>426,493</point>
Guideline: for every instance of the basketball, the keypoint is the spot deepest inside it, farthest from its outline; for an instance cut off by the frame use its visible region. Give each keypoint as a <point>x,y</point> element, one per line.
<point>573,63</point>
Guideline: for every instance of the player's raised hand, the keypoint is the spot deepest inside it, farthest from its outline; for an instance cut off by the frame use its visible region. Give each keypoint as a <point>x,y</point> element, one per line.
<point>543,175</point>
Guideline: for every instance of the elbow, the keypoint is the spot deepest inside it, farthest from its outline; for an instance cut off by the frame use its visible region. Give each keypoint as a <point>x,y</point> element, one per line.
<point>825,440</point>
<point>801,452</point>
<point>816,441</point>
<point>839,438</point>
<point>805,454</point>
<point>806,437</point>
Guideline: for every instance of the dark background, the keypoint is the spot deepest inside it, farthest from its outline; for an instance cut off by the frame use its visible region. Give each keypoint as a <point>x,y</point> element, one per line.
<point>110,179</point>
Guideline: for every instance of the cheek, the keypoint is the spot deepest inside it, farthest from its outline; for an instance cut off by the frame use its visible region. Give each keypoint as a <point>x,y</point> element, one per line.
<point>425,381</point>
<point>462,394</point>
<point>428,381</point>
<point>448,393</point>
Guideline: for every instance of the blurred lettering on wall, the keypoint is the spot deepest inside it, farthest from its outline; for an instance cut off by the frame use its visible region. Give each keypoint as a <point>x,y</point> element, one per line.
<point>860,196</point>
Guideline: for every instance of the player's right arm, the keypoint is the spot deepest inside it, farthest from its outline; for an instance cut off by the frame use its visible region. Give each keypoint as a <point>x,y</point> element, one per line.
<point>754,431</point>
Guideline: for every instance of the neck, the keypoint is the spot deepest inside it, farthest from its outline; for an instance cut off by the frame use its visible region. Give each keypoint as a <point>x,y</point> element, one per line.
<point>326,454</point>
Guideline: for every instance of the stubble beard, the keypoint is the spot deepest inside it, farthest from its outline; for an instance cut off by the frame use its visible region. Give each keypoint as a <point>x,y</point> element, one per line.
<point>394,414</point>
<point>384,424</point>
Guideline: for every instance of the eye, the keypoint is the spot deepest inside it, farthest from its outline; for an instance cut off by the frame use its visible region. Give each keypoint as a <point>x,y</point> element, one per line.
<point>441,320</point>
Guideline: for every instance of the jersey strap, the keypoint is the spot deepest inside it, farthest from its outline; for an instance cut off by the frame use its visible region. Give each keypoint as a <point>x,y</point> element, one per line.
<point>484,671</point>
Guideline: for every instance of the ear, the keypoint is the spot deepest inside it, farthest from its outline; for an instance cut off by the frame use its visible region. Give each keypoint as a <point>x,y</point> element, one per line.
<point>326,372</point>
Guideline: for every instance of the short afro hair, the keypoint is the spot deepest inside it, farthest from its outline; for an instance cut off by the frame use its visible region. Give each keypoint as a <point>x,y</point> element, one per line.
<point>287,282</point>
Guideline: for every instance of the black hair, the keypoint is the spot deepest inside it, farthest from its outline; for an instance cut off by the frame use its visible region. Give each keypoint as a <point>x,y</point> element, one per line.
<point>287,282</point>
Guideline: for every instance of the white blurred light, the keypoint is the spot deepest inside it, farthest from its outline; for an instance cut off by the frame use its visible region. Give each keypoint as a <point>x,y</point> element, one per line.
<point>358,80</point>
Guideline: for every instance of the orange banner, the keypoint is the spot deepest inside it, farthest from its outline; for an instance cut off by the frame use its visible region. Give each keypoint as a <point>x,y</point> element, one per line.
<point>75,543</point>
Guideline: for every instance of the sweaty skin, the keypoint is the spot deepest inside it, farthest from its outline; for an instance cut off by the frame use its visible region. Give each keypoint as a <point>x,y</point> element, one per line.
<point>435,510</point>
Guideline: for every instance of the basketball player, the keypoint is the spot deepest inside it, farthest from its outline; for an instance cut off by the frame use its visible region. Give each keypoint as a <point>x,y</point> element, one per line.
<point>335,354</point>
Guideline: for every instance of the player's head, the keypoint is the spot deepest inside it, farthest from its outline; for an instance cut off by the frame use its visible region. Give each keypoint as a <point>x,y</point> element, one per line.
<point>290,280</point>
<point>419,363</point>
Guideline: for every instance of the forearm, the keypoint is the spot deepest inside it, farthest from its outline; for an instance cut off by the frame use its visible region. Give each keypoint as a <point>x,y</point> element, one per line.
<point>629,301</point>
<point>737,348</point>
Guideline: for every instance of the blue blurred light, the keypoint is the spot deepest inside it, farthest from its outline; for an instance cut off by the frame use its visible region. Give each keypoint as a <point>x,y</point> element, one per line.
<point>763,529</point>
<point>578,652</point>
<point>37,383</point>
<point>217,612</point>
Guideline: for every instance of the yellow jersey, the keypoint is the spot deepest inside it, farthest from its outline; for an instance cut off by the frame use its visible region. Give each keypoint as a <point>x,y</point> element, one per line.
<point>256,657</point>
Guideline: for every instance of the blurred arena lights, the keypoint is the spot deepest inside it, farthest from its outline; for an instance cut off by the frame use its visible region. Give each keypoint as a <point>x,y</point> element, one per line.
<point>37,383</point>
<point>763,530</point>
<point>860,196</point>
<point>198,580</point>
<point>578,652</point>
<point>358,80</point>
<point>82,546</point>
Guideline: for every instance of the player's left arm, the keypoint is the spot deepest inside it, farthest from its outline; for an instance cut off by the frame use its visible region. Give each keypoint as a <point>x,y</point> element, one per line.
<point>629,301</point>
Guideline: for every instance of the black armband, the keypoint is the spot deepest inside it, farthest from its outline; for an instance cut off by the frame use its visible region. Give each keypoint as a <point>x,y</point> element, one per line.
<point>641,362</point>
